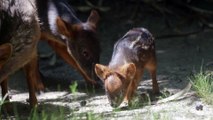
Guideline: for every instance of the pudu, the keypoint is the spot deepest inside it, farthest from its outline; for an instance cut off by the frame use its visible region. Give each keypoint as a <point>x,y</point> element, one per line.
<point>132,54</point>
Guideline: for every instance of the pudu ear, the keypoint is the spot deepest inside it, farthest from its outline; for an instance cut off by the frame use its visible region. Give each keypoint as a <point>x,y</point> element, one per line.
<point>5,53</point>
<point>129,70</point>
<point>63,27</point>
<point>102,71</point>
<point>93,18</point>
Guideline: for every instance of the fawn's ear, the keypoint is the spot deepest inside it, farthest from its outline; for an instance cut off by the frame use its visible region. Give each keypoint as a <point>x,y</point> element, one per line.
<point>5,53</point>
<point>101,71</point>
<point>93,18</point>
<point>63,27</point>
<point>129,70</point>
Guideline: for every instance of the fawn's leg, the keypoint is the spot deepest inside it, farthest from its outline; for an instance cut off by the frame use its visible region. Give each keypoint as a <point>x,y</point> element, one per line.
<point>132,88</point>
<point>31,80</point>
<point>155,86</point>
<point>152,67</point>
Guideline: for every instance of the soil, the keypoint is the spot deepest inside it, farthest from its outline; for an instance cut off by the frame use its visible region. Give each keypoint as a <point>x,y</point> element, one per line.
<point>178,58</point>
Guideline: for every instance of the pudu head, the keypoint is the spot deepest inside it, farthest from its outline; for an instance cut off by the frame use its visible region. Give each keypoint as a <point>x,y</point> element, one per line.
<point>82,42</point>
<point>116,81</point>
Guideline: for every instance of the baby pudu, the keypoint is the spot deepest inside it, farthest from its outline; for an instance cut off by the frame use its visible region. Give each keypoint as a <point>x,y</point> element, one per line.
<point>132,54</point>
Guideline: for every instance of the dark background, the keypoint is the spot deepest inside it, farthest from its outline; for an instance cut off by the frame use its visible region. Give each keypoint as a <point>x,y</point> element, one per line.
<point>182,28</point>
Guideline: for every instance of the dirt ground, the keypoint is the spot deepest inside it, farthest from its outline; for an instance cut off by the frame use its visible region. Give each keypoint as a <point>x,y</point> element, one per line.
<point>178,58</point>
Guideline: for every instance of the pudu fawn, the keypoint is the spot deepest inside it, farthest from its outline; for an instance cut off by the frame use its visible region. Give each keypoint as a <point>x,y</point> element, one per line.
<point>133,53</point>
<point>19,35</point>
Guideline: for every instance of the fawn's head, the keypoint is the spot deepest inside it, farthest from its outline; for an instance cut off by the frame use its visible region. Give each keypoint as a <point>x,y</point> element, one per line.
<point>82,42</point>
<point>116,82</point>
<point>5,53</point>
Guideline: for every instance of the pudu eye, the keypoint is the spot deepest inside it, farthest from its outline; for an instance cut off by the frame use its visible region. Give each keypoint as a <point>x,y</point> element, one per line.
<point>86,54</point>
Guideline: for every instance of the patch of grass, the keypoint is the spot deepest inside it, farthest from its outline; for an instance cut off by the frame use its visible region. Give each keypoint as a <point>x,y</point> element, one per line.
<point>47,115</point>
<point>36,113</point>
<point>159,116</point>
<point>86,116</point>
<point>2,101</point>
<point>92,116</point>
<point>152,114</point>
<point>73,87</point>
<point>140,101</point>
<point>202,83</point>
<point>164,94</point>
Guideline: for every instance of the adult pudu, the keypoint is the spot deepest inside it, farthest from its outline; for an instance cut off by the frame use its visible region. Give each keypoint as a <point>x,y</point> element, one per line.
<point>75,41</point>
<point>19,35</point>
<point>132,54</point>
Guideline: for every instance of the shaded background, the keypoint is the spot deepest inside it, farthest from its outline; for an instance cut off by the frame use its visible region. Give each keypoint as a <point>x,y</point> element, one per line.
<point>183,32</point>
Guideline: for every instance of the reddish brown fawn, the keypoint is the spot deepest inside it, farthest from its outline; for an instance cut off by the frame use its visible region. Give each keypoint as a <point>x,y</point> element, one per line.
<point>75,41</point>
<point>133,53</point>
<point>19,35</point>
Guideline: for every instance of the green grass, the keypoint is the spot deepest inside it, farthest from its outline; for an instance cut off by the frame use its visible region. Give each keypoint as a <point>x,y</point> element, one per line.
<point>202,83</point>
<point>47,115</point>
<point>2,101</point>
<point>140,101</point>
<point>52,114</point>
<point>73,87</point>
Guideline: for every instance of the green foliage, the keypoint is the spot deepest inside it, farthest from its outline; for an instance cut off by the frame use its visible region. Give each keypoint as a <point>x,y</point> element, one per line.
<point>86,116</point>
<point>159,116</point>
<point>90,116</point>
<point>37,114</point>
<point>164,94</point>
<point>202,83</point>
<point>73,87</point>
<point>140,101</point>
<point>2,101</point>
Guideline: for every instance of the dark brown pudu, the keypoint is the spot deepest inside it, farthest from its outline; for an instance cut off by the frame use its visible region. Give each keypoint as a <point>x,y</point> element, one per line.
<point>19,35</point>
<point>75,41</point>
<point>133,53</point>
